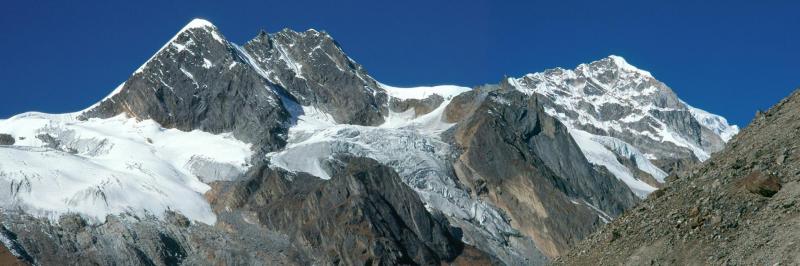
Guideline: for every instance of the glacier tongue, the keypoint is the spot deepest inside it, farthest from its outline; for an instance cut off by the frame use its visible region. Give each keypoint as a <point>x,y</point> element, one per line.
<point>109,166</point>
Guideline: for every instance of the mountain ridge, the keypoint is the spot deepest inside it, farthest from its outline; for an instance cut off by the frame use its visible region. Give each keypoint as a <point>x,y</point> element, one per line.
<point>287,106</point>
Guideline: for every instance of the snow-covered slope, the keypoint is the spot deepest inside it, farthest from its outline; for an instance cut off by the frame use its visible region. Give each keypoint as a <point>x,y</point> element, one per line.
<point>626,110</point>
<point>716,123</point>
<point>119,165</point>
<point>602,150</point>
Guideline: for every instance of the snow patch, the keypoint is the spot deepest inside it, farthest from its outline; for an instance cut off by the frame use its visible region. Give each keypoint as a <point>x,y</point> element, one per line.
<point>717,124</point>
<point>622,63</point>
<point>598,154</point>
<point>446,91</point>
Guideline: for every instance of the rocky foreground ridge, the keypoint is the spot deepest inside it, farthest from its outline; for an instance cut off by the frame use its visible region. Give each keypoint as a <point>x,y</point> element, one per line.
<point>738,208</point>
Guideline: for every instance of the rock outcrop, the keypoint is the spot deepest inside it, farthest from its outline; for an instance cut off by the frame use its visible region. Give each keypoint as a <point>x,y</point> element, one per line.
<point>523,161</point>
<point>6,139</point>
<point>364,214</point>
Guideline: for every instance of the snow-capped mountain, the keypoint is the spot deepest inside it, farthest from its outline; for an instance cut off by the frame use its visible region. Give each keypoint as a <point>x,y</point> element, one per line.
<point>239,152</point>
<point>614,108</point>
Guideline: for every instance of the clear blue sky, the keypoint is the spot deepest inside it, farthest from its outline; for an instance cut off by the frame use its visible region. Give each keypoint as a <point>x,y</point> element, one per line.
<point>726,57</point>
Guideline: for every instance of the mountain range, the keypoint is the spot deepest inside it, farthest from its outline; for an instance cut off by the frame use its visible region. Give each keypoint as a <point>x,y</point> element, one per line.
<point>284,150</point>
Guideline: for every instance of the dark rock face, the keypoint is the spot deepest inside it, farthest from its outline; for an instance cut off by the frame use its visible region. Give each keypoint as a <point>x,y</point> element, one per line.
<point>315,71</point>
<point>526,163</point>
<point>738,208</point>
<point>6,139</point>
<point>200,81</point>
<point>364,214</point>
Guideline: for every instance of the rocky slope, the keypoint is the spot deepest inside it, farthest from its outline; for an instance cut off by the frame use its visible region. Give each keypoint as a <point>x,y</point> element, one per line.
<point>285,151</point>
<point>738,208</point>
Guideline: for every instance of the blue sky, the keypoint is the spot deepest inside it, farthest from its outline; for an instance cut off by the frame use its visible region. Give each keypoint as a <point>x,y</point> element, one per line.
<point>727,57</point>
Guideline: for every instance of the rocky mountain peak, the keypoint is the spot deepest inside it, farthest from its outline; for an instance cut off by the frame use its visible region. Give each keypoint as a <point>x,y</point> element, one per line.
<point>271,76</point>
<point>198,34</point>
<point>199,80</point>
<point>613,107</point>
<point>315,71</point>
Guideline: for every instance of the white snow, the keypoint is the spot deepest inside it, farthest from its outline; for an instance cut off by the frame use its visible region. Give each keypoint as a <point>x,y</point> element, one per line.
<point>112,166</point>
<point>622,63</point>
<point>623,149</point>
<point>207,63</point>
<point>715,123</point>
<point>598,154</point>
<point>446,91</point>
<point>198,23</point>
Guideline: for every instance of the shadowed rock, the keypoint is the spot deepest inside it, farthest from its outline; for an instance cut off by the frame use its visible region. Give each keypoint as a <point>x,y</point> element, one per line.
<point>6,139</point>
<point>364,214</point>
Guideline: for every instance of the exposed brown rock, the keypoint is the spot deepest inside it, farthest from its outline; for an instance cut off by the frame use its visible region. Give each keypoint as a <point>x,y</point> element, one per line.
<point>420,106</point>
<point>6,258</point>
<point>761,184</point>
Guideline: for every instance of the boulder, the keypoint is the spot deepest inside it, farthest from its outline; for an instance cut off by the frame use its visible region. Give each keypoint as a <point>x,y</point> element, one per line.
<point>6,139</point>
<point>758,183</point>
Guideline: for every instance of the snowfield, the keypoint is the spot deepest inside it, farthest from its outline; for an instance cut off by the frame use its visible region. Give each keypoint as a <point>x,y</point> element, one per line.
<point>110,166</point>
